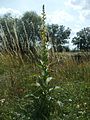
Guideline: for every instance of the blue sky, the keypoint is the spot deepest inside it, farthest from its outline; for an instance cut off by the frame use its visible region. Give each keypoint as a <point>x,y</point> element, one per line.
<point>70,13</point>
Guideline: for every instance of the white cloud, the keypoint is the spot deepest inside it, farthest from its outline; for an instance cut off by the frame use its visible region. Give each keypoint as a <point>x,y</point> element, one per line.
<point>82,7</point>
<point>77,28</point>
<point>84,15</point>
<point>87,5</point>
<point>9,10</point>
<point>79,4</point>
<point>59,17</point>
<point>75,4</point>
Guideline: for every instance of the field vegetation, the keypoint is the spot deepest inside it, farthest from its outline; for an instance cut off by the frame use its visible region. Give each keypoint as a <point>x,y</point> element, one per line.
<point>37,83</point>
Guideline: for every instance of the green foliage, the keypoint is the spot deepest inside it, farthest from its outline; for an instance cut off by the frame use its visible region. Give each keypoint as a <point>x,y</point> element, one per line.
<point>6,27</point>
<point>59,36</point>
<point>82,40</point>
<point>20,34</point>
<point>24,92</point>
<point>53,88</point>
<point>42,102</point>
<point>27,30</point>
<point>32,23</point>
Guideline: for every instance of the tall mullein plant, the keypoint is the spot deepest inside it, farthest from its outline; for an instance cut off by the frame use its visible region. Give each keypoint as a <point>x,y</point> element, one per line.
<point>44,53</point>
<point>42,104</point>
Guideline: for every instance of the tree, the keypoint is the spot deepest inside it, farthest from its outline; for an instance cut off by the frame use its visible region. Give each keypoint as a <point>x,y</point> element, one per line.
<point>58,35</point>
<point>29,30</point>
<point>6,30</point>
<point>24,31</point>
<point>32,23</point>
<point>82,39</point>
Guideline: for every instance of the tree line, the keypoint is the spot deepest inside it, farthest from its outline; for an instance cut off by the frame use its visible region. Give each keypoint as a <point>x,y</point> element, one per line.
<point>24,33</point>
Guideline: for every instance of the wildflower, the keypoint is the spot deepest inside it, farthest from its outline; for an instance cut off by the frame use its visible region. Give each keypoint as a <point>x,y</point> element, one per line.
<point>85,103</point>
<point>2,100</point>
<point>60,103</point>
<point>70,100</point>
<point>37,84</point>
<point>48,80</point>
<point>57,87</point>
<point>50,89</point>
<point>77,106</point>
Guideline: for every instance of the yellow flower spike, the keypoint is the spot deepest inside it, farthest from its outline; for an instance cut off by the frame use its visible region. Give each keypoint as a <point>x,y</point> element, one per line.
<point>43,28</point>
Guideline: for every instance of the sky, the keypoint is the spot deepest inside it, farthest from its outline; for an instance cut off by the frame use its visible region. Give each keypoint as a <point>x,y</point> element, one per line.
<point>74,14</point>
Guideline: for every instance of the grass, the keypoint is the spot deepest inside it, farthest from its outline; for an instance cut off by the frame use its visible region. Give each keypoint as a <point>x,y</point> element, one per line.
<point>72,89</point>
<point>55,87</point>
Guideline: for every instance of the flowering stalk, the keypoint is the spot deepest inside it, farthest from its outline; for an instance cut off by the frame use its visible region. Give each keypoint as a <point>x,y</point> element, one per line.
<point>44,50</point>
<point>42,100</point>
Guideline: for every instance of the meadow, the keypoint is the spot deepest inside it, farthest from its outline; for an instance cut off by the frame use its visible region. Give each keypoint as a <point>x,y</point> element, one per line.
<point>70,83</point>
<point>42,84</point>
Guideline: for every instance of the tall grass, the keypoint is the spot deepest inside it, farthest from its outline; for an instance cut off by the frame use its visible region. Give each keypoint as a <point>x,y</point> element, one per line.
<point>52,88</point>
